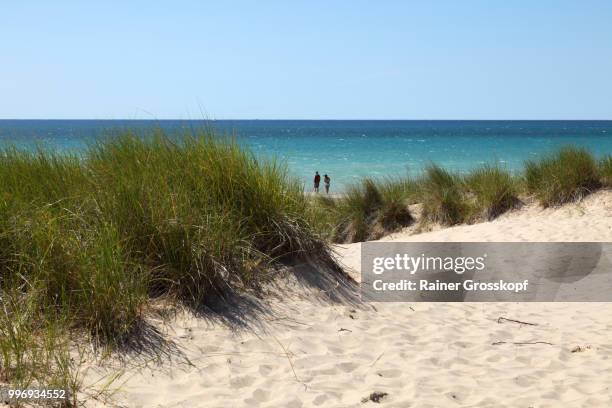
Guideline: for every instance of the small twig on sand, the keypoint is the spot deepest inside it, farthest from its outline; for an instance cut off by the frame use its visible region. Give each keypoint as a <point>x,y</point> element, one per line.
<point>289,319</point>
<point>520,343</point>
<point>343,329</point>
<point>378,358</point>
<point>502,319</point>
<point>290,362</point>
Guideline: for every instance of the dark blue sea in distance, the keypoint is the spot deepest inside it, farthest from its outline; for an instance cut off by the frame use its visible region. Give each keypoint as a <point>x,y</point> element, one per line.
<point>348,150</point>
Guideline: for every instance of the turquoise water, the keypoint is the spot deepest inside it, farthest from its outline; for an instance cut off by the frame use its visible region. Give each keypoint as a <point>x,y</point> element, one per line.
<point>349,150</point>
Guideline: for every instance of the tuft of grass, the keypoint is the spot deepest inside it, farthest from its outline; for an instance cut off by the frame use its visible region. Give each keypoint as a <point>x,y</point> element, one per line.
<point>86,242</point>
<point>444,198</point>
<point>396,195</point>
<point>366,211</point>
<point>565,176</point>
<point>357,210</point>
<point>200,212</point>
<point>494,189</point>
<point>139,217</point>
<point>605,171</point>
<point>405,188</point>
<point>35,350</point>
<point>322,214</point>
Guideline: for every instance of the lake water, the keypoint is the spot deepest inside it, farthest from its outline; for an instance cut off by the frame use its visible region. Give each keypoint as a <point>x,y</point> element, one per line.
<point>349,150</point>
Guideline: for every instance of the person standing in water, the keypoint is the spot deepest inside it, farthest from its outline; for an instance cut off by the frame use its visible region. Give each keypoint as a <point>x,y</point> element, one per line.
<point>326,182</point>
<point>317,180</point>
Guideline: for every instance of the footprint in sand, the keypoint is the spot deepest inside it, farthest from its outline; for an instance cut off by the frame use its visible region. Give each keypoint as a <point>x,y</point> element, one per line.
<point>265,369</point>
<point>347,367</point>
<point>320,399</point>
<point>257,397</point>
<point>242,381</point>
<point>525,381</point>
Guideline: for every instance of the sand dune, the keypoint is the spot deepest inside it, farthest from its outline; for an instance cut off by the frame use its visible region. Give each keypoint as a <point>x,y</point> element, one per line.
<point>309,351</point>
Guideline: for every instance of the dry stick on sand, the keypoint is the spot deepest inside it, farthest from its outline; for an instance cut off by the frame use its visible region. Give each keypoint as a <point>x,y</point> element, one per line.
<point>290,362</point>
<point>378,358</point>
<point>504,319</point>
<point>520,343</point>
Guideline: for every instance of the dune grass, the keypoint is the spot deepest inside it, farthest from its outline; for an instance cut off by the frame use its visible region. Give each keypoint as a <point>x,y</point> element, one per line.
<point>372,209</point>
<point>36,351</point>
<point>397,193</point>
<point>366,211</point>
<point>87,242</point>
<point>444,197</point>
<point>495,191</point>
<point>605,171</point>
<point>567,175</point>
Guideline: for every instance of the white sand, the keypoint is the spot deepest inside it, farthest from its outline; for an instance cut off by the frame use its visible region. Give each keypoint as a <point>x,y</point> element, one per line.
<point>310,352</point>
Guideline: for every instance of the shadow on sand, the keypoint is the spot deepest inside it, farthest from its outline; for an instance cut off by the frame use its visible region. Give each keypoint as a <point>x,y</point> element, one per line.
<point>321,281</point>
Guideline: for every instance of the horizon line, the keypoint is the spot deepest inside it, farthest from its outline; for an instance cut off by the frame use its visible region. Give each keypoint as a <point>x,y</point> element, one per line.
<point>308,119</point>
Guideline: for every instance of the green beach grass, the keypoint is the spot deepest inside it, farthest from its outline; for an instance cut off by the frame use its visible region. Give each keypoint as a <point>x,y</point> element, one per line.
<point>494,190</point>
<point>605,170</point>
<point>564,176</point>
<point>373,209</point>
<point>86,243</point>
<point>366,211</point>
<point>444,198</point>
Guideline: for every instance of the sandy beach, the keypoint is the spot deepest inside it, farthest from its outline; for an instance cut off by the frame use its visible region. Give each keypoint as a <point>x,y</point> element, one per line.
<point>319,346</point>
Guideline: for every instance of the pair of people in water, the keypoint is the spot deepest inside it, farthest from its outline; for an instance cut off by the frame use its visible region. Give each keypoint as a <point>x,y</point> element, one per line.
<point>317,181</point>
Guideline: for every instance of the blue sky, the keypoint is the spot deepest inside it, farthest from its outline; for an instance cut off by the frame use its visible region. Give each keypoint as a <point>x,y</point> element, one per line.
<point>306,59</point>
